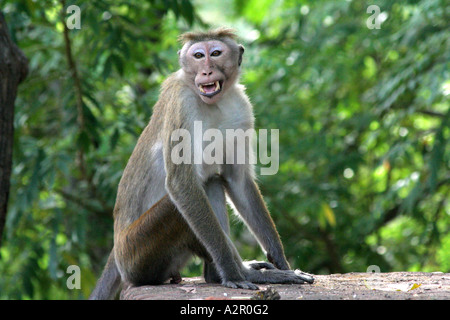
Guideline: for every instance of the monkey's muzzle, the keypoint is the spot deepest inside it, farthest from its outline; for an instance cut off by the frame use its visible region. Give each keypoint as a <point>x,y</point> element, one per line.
<point>210,89</point>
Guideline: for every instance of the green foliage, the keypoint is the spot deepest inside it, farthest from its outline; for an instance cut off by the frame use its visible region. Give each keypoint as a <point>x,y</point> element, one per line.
<point>364,131</point>
<point>363,117</point>
<point>69,157</point>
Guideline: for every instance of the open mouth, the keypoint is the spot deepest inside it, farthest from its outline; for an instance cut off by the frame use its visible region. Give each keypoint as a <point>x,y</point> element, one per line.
<point>210,89</point>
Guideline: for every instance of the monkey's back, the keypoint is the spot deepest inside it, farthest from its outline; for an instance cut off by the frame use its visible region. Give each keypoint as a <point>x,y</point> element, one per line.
<point>142,182</point>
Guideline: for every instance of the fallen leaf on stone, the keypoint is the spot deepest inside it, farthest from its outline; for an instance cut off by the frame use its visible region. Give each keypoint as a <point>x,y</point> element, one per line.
<point>188,289</point>
<point>414,286</point>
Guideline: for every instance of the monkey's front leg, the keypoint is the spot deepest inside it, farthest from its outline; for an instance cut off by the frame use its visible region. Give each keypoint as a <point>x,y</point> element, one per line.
<point>247,199</point>
<point>192,202</point>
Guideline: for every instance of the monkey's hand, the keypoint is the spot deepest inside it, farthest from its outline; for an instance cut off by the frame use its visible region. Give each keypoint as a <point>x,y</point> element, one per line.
<point>290,276</point>
<point>304,276</point>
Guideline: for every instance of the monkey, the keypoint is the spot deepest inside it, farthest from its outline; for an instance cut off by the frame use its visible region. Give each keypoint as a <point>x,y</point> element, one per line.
<point>167,212</point>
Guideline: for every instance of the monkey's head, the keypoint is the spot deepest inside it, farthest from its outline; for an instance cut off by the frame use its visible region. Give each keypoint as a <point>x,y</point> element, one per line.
<point>211,60</point>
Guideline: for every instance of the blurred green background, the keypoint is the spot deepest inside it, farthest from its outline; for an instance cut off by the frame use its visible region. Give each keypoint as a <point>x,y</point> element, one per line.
<point>363,115</point>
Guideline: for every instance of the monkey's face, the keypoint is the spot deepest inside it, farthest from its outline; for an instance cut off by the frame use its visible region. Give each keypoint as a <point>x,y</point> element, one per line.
<point>213,66</point>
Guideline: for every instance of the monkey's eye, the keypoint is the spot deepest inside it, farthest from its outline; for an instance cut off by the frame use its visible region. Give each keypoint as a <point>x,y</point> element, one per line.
<point>198,55</point>
<point>216,53</point>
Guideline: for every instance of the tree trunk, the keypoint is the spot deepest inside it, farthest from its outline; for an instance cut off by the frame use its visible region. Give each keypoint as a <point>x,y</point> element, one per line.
<point>13,70</point>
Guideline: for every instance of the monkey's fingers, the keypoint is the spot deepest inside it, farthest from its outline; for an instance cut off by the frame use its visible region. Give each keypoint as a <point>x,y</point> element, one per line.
<point>287,276</point>
<point>240,285</point>
<point>304,276</point>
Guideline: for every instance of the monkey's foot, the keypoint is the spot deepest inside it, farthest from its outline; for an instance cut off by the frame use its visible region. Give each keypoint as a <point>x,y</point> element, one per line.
<point>278,276</point>
<point>258,265</point>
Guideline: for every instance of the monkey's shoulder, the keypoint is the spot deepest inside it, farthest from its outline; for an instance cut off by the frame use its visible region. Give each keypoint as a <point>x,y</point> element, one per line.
<point>175,87</point>
<point>174,93</point>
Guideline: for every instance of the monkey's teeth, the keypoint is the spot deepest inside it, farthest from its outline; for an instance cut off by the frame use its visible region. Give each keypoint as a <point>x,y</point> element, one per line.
<point>207,88</point>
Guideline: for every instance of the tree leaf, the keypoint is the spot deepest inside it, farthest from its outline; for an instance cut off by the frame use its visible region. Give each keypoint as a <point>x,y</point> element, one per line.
<point>329,214</point>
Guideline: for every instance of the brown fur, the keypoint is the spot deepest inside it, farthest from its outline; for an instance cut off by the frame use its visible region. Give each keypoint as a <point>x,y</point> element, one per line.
<point>216,34</point>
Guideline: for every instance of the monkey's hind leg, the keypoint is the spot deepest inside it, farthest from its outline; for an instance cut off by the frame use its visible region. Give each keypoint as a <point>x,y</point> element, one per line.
<point>156,246</point>
<point>210,273</point>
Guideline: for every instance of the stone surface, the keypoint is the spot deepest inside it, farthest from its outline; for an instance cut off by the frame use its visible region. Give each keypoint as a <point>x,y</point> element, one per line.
<point>349,286</point>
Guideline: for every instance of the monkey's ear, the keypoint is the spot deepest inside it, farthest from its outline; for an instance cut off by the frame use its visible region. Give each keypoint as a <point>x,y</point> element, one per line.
<point>179,52</point>
<point>241,52</point>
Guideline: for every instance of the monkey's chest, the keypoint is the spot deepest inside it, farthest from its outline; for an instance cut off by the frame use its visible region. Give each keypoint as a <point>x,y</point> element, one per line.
<point>224,140</point>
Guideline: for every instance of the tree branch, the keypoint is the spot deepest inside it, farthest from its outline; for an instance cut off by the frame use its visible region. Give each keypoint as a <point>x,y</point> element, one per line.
<point>431,113</point>
<point>81,202</point>
<point>77,87</point>
<point>393,212</point>
<point>13,70</point>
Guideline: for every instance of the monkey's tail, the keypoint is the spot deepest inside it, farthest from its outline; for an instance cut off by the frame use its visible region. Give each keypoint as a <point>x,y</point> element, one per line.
<point>109,283</point>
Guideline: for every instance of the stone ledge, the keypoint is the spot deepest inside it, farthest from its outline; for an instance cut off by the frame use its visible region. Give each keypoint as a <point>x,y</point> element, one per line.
<point>349,286</point>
